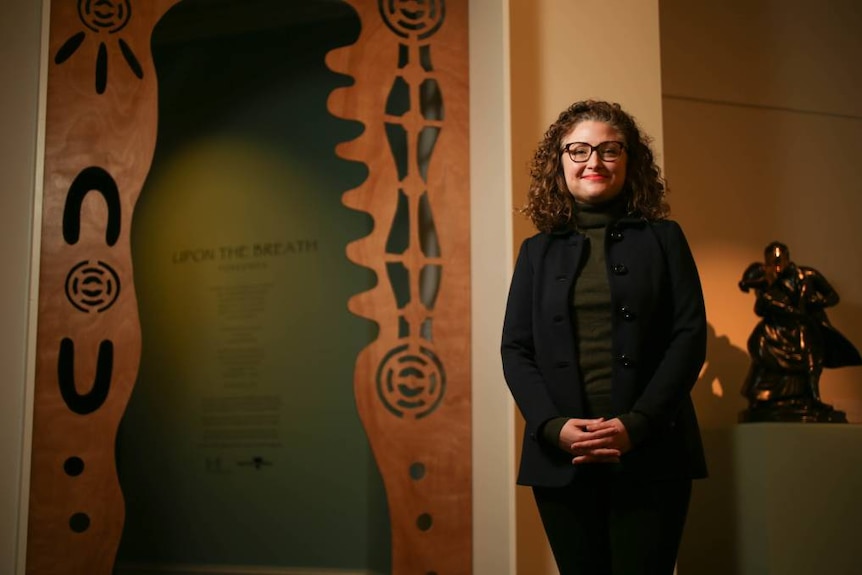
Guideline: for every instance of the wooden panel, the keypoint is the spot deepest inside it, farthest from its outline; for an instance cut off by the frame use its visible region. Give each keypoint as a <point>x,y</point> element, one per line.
<point>100,136</point>
<point>412,384</point>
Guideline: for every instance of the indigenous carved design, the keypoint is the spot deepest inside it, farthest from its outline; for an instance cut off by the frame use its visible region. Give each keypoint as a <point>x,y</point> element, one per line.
<point>92,179</point>
<point>92,286</point>
<point>412,384</point>
<point>109,15</point>
<point>86,403</point>
<point>98,150</point>
<point>408,18</point>
<point>409,386</point>
<point>102,17</point>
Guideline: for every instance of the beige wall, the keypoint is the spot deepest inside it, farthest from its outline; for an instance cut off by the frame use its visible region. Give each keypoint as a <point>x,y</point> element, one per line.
<point>491,240</point>
<point>19,54</point>
<point>620,61</point>
<point>763,128</point>
<point>547,76</point>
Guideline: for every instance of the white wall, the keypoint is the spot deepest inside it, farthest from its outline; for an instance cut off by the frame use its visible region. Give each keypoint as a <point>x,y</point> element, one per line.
<point>491,256</point>
<point>20,30</point>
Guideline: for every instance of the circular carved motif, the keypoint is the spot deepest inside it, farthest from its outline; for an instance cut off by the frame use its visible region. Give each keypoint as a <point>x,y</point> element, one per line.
<point>92,286</point>
<point>73,466</point>
<point>424,522</point>
<point>411,384</point>
<point>417,471</point>
<point>108,15</point>
<point>79,522</point>
<point>409,18</point>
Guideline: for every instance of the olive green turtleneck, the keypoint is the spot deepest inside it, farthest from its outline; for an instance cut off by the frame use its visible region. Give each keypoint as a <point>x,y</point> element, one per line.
<point>592,314</point>
<point>592,319</point>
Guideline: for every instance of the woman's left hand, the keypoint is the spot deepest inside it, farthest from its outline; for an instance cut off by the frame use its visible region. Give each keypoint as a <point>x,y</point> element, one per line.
<point>618,439</point>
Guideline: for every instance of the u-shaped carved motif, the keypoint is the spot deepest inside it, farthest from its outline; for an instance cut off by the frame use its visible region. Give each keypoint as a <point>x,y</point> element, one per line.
<point>91,179</point>
<point>86,403</point>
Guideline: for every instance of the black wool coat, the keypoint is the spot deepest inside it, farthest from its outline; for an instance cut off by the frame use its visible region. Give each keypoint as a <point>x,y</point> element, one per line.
<point>658,341</point>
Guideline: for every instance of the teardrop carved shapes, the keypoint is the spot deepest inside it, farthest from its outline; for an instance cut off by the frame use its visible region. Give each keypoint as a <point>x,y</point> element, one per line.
<point>99,143</point>
<point>102,19</point>
<point>412,384</point>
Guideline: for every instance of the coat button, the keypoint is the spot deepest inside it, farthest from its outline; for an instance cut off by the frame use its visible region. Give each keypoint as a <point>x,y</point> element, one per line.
<point>620,269</point>
<point>627,313</point>
<point>626,361</point>
<point>616,235</point>
<point>561,278</point>
<point>563,364</point>
<point>558,318</point>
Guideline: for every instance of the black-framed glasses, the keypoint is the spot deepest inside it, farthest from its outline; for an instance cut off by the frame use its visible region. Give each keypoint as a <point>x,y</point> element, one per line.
<point>580,152</point>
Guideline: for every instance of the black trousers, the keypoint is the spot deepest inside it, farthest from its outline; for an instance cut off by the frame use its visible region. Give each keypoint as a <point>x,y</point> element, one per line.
<point>605,523</point>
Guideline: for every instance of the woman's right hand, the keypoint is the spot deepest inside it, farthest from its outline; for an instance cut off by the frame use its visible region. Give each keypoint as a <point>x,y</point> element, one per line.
<point>575,430</point>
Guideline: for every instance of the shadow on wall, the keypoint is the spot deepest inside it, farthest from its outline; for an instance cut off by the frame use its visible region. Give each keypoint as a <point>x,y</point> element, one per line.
<point>709,545</point>
<point>717,392</point>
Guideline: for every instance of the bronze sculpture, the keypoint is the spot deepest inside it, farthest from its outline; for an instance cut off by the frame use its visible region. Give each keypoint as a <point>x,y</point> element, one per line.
<point>792,342</point>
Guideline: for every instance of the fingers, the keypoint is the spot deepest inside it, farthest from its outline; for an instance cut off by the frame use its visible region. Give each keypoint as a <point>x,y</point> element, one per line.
<point>598,433</point>
<point>600,455</point>
<point>603,440</point>
<point>586,422</point>
<point>614,424</point>
<point>618,442</point>
<point>588,444</point>
<point>573,431</point>
<point>576,433</point>
<point>602,452</point>
<point>594,440</point>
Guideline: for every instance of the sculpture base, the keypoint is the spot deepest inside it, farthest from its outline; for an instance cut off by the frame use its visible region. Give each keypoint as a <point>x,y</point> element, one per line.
<point>792,411</point>
<point>794,500</point>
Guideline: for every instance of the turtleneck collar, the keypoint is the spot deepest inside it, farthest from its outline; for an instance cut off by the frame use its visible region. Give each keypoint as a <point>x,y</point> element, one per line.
<point>588,216</point>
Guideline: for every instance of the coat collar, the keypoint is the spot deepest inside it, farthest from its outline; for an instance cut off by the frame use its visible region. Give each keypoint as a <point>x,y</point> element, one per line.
<point>627,221</point>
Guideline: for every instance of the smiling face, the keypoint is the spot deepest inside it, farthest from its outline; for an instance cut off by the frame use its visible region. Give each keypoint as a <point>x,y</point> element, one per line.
<point>595,181</point>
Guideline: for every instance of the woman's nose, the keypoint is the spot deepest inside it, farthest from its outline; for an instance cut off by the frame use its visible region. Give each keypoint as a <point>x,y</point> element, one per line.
<point>594,159</point>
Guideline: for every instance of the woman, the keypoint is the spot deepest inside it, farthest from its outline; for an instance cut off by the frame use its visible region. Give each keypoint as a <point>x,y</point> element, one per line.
<point>604,337</point>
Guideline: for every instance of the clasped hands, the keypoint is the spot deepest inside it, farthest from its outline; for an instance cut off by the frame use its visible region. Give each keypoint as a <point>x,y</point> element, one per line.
<point>595,440</point>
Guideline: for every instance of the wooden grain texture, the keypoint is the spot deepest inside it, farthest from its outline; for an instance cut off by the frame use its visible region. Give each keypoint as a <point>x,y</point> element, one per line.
<point>424,456</point>
<point>100,132</point>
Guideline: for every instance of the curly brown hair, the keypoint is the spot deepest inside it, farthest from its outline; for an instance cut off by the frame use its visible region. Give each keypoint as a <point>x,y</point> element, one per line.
<point>550,206</point>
